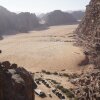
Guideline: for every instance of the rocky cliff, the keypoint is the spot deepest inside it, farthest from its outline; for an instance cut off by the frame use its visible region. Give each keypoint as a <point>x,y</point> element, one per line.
<point>12,23</point>
<point>15,83</point>
<point>88,31</point>
<point>90,24</point>
<point>88,36</point>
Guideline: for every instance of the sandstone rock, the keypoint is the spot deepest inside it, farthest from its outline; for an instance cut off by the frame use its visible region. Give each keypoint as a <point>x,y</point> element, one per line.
<point>88,32</point>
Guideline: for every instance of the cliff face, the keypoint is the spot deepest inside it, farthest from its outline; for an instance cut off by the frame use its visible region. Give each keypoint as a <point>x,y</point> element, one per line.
<point>90,24</point>
<point>89,31</point>
<point>88,36</point>
<point>11,22</point>
<point>15,83</point>
<point>27,21</point>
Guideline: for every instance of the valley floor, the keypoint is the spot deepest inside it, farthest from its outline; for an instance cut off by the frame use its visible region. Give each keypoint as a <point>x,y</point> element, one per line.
<point>51,49</point>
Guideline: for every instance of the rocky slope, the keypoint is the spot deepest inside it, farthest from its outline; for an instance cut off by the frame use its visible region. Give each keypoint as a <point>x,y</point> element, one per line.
<point>87,85</point>
<point>88,35</point>
<point>15,83</point>
<point>88,32</point>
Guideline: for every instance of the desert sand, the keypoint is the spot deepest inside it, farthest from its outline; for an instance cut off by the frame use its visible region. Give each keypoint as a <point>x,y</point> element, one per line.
<point>49,49</point>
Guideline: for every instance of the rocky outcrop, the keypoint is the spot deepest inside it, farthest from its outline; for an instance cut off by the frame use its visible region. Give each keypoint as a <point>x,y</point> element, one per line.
<point>85,61</point>
<point>88,32</point>
<point>12,23</point>
<point>91,19</point>
<point>27,21</point>
<point>88,36</point>
<point>15,83</point>
<point>87,86</point>
<point>58,17</point>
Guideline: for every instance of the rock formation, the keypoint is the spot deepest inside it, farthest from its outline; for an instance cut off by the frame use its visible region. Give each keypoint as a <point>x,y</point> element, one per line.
<point>12,23</point>
<point>88,35</point>
<point>58,17</point>
<point>87,86</point>
<point>15,83</point>
<point>88,32</point>
<point>27,21</point>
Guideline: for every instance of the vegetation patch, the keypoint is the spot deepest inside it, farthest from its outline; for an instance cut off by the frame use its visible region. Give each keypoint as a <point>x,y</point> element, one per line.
<point>67,92</point>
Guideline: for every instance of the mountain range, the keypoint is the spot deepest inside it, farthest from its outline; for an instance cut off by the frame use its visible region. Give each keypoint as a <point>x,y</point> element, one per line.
<point>12,23</point>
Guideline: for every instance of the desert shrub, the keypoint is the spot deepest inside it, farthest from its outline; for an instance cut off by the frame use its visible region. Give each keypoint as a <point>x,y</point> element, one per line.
<point>55,73</point>
<point>66,75</point>
<point>37,72</point>
<point>39,79</point>
<point>48,73</point>
<point>55,82</point>
<point>63,70</point>
<point>48,79</point>
<point>64,90</point>
<point>60,87</point>
<point>43,71</point>
<point>67,92</point>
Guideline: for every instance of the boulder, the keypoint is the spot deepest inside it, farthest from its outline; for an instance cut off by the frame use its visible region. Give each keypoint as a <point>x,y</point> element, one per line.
<point>15,83</point>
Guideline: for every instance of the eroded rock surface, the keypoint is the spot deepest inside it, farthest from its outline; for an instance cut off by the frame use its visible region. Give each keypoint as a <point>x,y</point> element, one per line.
<point>87,86</point>
<point>88,35</point>
<point>88,32</point>
<point>90,24</point>
<point>15,83</point>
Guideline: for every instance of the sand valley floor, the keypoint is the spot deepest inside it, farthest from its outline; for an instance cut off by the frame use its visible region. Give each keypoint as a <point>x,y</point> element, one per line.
<point>50,49</point>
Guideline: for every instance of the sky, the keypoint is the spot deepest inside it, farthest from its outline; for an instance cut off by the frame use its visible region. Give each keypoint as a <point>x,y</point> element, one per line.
<point>43,6</point>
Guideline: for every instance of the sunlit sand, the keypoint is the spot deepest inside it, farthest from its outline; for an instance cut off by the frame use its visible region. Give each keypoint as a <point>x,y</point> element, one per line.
<point>43,49</point>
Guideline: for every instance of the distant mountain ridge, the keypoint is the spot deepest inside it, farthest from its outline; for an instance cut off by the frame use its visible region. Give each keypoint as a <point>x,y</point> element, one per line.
<point>22,22</point>
<point>78,14</point>
<point>58,17</point>
<point>12,23</point>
